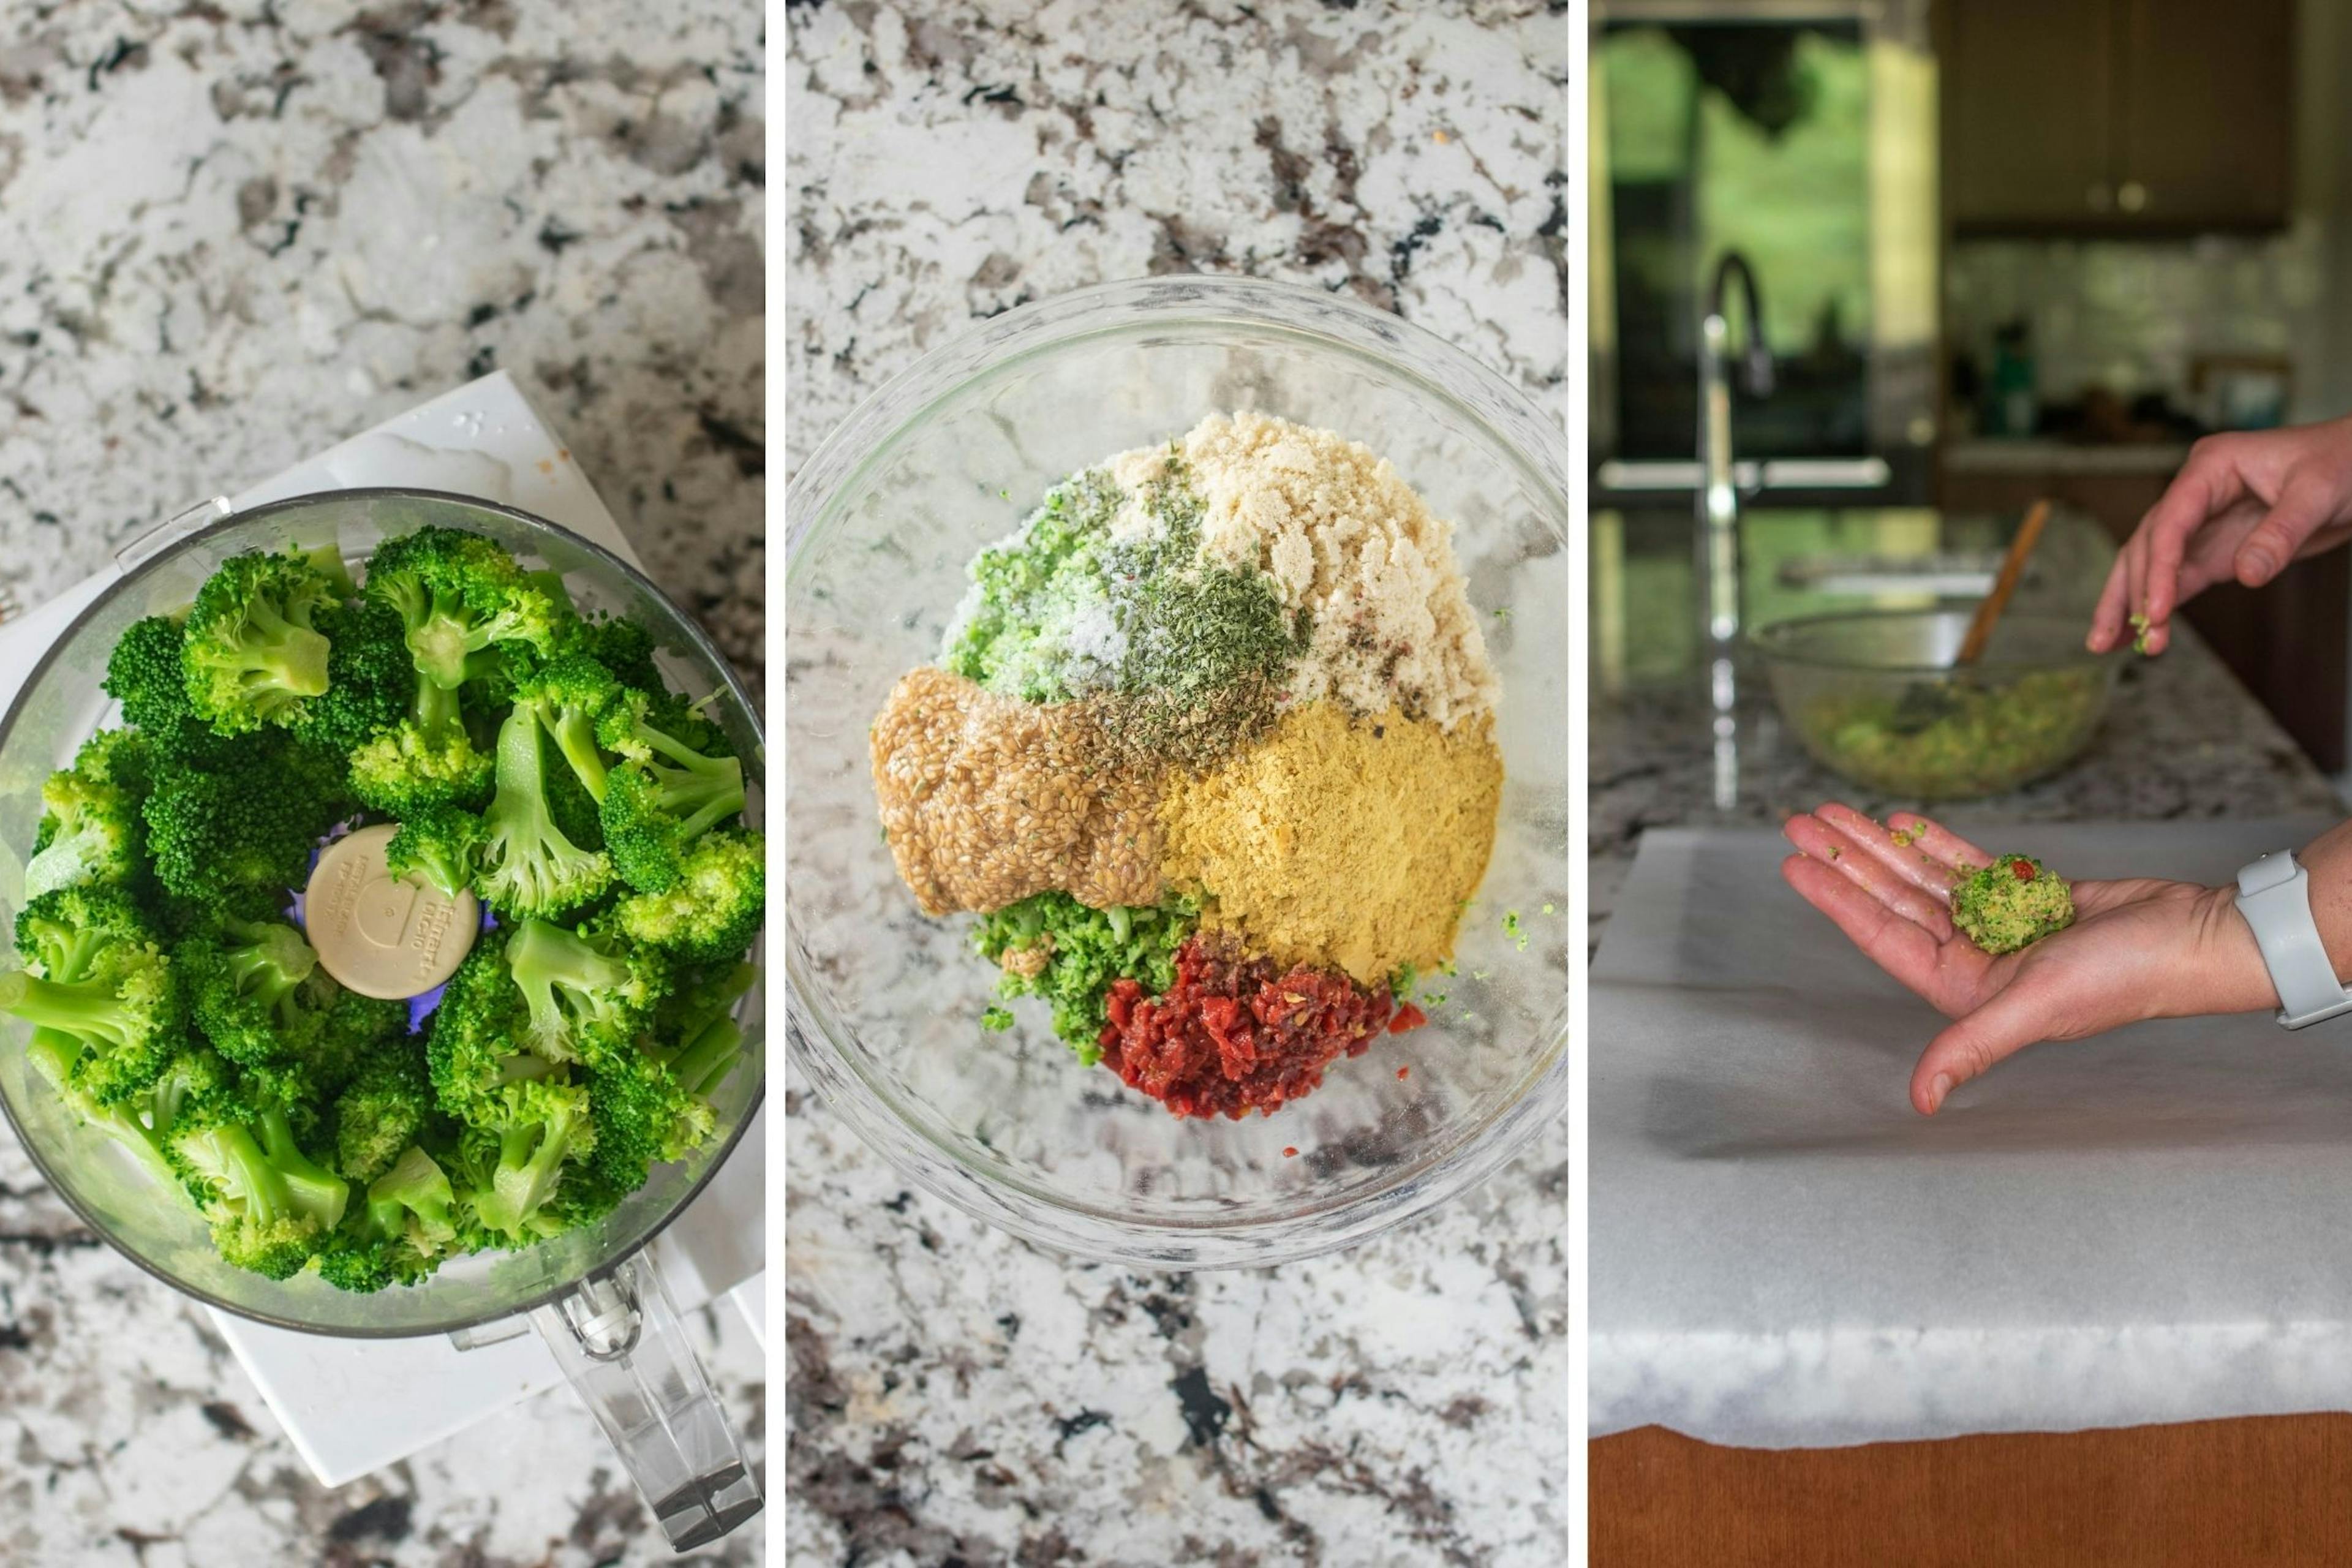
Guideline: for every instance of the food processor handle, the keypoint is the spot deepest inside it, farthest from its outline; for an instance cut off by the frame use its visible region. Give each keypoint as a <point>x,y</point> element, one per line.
<point>618,1339</point>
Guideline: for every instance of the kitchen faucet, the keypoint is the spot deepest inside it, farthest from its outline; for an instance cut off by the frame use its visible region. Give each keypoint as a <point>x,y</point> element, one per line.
<point>1718,493</point>
<point>1719,499</point>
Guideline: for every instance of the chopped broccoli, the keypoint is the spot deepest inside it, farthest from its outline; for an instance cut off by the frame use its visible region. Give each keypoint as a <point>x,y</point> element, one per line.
<point>252,654</point>
<point>713,909</point>
<point>527,866</point>
<point>121,1010</point>
<point>249,818</point>
<point>1085,950</point>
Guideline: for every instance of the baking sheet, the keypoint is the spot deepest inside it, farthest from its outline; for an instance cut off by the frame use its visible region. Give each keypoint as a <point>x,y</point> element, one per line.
<point>2153,1226</point>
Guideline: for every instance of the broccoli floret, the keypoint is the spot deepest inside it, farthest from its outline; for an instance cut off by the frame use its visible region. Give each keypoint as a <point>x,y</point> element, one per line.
<point>441,844</point>
<point>124,1011</point>
<point>457,594</point>
<point>713,909</point>
<point>587,993</point>
<point>512,1159</point>
<point>62,933</point>
<point>402,734</point>
<point>92,827</point>
<point>143,1122</point>
<point>644,1113</point>
<point>370,681</point>
<point>252,653</point>
<point>659,800</point>
<point>473,1047</point>
<point>247,820</point>
<point>382,1109</point>
<point>528,866</point>
<point>567,696</point>
<point>269,1204</point>
<point>621,645</point>
<point>400,1234</point>
<point>245,982</point>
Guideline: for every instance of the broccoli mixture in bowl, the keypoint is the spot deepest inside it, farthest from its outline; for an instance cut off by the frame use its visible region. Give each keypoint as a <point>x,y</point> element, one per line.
<point>528,753</point>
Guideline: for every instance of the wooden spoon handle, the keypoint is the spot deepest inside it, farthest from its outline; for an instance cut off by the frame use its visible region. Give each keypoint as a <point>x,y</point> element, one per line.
<point>2012,567</point>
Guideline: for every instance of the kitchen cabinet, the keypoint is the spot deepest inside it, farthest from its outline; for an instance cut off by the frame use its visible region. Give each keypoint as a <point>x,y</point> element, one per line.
<point>2289,641</point>
<point>2117,117</point>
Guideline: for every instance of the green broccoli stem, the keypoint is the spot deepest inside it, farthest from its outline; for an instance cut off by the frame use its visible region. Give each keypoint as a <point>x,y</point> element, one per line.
<point>530,1161</point>
<point>53,1054</point>
<point>275,653</point>
<point>574,734</point>
<point>702,794</point>
<point>414,1186</point>
<point>88,1008</point>
<point>435,708</point>
<point>321,1194</point>
<point>260,1182</point>
<point>709,1057</point>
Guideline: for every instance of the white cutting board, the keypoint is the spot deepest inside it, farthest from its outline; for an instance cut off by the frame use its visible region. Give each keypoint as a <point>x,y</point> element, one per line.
<point>2152,1225</point>
<point>482,439</point>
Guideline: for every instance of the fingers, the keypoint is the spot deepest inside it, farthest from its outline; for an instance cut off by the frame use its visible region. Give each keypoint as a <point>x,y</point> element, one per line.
<point>2148,566</point>
<point>1902,947</point>
<point>2308,501</point>
<point>2114,605</point>
<point>1823,842</point>
<point>1907,857</point>
<point>1939,842</point>
<point>1972,1046</point>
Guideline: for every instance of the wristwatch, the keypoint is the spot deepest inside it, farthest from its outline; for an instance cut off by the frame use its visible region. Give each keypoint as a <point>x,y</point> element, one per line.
<point>2275,895</point>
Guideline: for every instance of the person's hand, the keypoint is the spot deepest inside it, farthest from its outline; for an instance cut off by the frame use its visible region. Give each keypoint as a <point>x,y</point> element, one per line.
<point>2139,949</point>
<point>2241,507</point>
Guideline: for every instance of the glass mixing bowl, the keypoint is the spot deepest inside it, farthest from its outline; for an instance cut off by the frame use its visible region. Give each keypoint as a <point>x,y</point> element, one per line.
<point>592,1276</point>
<point>883,1004</point>
<point>1873,697</point>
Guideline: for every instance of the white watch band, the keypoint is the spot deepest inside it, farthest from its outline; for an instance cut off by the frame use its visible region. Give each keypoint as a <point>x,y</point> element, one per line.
<point>2275,895</point>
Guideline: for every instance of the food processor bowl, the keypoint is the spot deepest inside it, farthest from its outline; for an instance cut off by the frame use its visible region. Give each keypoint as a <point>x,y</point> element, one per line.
<point>602,1309</point>
<point>884,1005</point>
<point>1873,697</point>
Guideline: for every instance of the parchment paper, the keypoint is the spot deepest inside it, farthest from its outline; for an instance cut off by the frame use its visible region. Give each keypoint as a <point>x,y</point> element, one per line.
<point>2153,1226</point>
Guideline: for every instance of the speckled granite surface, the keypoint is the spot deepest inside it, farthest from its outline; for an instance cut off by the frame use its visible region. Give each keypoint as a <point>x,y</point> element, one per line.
<point>231,235</point>
<point>955,1395</point>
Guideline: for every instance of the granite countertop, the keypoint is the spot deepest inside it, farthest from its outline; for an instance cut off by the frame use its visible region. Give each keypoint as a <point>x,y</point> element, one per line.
<point>231,235</point>
<point>957,1395</point>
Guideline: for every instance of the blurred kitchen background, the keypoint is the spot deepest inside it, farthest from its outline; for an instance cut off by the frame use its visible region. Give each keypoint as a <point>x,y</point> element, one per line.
<point>2004,249</point>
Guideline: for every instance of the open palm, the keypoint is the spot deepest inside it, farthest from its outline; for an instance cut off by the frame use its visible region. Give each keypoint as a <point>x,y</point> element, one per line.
<point>2138,949</point>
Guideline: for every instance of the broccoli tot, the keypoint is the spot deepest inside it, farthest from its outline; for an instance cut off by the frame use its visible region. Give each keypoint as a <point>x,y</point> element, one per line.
<point>527,868</point>
<point>513,1157</point>
<point>459,594</point>
<point>441,844</point>
<point>586,993</point>
<point>252,654</point>
<point>713,909</point>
